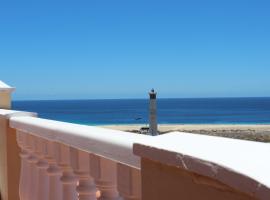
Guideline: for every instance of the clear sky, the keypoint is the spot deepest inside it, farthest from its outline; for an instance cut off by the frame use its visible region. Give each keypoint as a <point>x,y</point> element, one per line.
<point>121,49</point>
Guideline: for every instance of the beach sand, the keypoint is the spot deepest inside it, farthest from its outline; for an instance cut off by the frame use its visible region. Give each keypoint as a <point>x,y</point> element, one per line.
<point>247,132</point>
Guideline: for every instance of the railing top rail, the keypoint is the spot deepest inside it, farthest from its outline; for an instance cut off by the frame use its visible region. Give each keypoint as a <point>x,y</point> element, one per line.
<point>12,113</point>
<point>241,164</point>
<point>111,144</point>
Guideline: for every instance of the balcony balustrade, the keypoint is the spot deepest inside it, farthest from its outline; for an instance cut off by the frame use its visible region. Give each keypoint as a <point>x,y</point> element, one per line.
<point>50,160</point>
<point>67,161</point>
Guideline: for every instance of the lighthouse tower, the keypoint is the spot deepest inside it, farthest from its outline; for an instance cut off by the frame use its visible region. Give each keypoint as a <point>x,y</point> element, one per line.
<point>153,113</point>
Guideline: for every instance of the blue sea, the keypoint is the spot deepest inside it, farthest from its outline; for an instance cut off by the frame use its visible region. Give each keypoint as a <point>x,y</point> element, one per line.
<point>170,111</point>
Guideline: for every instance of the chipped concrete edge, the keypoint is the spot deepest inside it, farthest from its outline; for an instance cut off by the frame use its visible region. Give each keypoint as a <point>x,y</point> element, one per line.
<point>225,175</point>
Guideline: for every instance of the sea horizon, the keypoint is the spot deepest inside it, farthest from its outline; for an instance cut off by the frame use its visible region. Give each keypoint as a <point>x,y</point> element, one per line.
<point>122,98</point>
<point>215,110</point>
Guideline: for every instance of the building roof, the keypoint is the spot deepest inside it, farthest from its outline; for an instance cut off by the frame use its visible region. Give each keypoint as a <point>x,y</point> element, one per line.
<point>5,87</point>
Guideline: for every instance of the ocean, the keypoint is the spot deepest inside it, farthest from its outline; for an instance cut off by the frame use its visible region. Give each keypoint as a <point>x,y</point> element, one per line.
<point>170,111</point>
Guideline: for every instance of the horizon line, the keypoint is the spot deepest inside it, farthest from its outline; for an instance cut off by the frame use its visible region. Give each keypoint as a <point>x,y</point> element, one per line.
<point>85,99</point>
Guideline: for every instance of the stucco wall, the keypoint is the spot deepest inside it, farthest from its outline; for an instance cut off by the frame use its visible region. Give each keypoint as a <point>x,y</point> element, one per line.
<point>3,158</point>
<point>9,162</point>
<point>5,101</point>
<point>160,182</point>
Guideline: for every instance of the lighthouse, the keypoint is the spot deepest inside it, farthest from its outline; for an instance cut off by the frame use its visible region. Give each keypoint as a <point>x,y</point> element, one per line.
<point>153,113</point>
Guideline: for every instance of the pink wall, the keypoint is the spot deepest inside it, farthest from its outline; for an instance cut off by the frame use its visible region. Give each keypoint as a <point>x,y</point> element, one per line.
<point>163,182</point>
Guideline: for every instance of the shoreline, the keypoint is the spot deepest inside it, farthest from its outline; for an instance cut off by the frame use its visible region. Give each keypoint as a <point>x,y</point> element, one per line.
<point>170,127</point>
<point>254,132</point>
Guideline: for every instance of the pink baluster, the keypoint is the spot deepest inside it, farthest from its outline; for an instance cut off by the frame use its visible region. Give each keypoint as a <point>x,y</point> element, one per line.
<point>68,179</point>
<point>32,160</point>
<point>54,172</point>
<point>129,182</point>
<point>104,172</point>
<point>42,166</point>
<point>21,140</point>
<point>86,188</point>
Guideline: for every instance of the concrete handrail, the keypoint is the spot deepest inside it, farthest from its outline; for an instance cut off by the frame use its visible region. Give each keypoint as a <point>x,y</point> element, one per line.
<point>111,144</point>
<point>242,165</point>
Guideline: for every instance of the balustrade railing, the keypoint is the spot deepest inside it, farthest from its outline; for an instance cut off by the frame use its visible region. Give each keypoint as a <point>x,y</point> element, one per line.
<point>63,161</point>
<point>50,160</point>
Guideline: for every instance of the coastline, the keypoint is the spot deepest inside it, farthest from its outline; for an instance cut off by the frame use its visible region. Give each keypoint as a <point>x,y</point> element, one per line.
<point>254,132</point>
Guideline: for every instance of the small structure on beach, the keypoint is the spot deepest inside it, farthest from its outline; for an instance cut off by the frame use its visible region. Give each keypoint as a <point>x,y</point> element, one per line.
<point>153,113</point>
<point>5,95</point>
<point>144,130</point>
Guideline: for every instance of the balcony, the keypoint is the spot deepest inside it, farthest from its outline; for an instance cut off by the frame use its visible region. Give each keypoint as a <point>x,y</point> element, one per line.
<point>51,160</point>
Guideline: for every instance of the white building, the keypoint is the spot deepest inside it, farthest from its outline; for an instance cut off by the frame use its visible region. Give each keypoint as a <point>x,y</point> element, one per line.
<point>5,95</point>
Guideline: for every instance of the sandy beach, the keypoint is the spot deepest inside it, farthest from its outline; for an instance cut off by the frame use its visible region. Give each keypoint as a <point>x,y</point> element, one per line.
<point>248,132</point>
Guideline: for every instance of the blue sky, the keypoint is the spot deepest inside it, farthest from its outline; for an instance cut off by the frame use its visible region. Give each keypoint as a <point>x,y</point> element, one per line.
<point>121,49</point>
